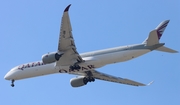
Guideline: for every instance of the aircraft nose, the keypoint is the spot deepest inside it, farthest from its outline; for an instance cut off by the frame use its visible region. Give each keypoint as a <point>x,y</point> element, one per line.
<point>11,74</point>
<point>7,76</point>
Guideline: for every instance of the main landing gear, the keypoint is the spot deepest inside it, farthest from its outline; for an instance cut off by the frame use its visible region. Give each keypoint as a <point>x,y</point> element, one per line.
<point>88,79</point>
<point>75,67</point>
<point>12,83</point>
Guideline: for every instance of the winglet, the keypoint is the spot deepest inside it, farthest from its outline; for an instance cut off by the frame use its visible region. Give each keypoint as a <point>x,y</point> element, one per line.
<point>150,83</point>
<point>67,8</point>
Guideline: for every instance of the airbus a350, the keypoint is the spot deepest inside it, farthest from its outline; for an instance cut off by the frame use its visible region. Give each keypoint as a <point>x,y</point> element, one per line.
<point>67,59</point>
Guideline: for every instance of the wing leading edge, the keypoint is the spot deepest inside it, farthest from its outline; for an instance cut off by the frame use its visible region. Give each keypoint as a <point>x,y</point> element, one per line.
<point>66,42</point>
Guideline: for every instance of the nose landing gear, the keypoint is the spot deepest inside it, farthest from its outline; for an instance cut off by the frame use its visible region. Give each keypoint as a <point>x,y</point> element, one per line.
<point>12,83</point>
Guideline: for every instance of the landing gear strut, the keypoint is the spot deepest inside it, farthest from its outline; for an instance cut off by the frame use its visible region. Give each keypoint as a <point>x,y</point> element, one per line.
<point>12,83</point>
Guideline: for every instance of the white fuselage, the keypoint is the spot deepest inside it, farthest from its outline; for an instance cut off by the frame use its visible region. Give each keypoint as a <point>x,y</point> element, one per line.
<point>93,60</point>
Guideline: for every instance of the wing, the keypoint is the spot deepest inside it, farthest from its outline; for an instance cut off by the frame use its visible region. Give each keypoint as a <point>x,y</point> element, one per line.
<point>110,78</point>
<point>66,42</point>
<point>106,77</point>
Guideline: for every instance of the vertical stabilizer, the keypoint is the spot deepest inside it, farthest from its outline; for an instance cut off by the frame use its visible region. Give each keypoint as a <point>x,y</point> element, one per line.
<point>155,35</point>
<point>161,27</point>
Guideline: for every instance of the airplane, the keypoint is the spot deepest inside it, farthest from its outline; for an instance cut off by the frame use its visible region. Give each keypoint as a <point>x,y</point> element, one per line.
<point>67,59</point>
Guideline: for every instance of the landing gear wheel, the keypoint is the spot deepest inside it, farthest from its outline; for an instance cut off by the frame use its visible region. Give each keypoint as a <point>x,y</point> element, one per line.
<point>12,83</point>
<point>74,67</point>
<point>71,68</point>
<point>85,80</point>
<point>93,80</point>
<point>77,67</point>
<point>89,79</point>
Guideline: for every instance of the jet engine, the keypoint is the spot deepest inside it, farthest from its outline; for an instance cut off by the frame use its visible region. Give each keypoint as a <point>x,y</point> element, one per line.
<point>78,81</point>
<point>51,57</point>
<point>81,81</point>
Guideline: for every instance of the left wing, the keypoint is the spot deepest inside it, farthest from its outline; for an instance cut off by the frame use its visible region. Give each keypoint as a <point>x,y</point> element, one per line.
<point>110,78</point>
<point>66,42</point>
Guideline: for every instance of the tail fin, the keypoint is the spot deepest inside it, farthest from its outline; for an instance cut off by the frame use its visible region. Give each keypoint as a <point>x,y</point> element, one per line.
<point>155,36</point>
<point>161,27</point>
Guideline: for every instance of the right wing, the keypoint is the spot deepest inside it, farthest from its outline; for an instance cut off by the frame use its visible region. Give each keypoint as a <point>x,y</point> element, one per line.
<point>110,78</point>
<point>106,77</point>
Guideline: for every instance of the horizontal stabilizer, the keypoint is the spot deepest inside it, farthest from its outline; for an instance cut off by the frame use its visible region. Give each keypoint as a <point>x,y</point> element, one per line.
<point>166,49</point>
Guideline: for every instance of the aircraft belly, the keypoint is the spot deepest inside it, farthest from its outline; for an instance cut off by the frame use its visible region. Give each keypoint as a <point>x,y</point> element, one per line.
<point>92,61</point>
<point>121,56</point>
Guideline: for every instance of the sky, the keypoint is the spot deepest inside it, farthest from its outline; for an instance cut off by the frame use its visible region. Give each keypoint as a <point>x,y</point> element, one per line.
<point>30,28</point>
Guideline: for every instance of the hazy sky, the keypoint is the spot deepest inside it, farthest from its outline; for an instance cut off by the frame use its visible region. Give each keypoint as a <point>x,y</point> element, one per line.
<point>30,29</point>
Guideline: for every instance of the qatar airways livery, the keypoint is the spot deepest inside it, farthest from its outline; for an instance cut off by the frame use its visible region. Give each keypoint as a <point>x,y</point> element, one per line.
<point>67,59</point>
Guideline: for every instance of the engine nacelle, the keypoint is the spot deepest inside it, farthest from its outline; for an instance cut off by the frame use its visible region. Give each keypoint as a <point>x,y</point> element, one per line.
<point>51,57</point>
<point>78,81</point>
